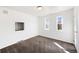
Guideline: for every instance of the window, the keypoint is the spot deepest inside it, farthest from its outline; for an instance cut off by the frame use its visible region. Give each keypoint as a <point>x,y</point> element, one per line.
<point>59,22</point>
<point>46,24</point>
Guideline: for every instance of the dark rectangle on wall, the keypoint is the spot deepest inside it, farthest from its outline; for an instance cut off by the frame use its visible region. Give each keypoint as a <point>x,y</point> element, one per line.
<point>19,26</point>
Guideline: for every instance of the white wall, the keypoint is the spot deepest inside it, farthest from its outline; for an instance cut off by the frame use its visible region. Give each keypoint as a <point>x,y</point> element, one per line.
<point>76,18</point>
<point>8,35</point>
<point>67,33</point>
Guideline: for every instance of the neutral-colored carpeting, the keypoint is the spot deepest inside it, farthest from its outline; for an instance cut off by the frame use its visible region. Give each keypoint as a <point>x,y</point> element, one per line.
<point>40,44</point>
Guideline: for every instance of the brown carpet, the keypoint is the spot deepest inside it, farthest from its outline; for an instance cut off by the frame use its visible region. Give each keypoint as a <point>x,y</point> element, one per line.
<point>39,44</point>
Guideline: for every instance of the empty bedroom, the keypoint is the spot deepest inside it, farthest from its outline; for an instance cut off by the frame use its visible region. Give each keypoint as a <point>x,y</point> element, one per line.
<point>39,29</point>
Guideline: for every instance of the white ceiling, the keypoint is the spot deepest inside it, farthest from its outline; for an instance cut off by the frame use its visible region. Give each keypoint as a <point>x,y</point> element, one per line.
<point>34,11</point>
